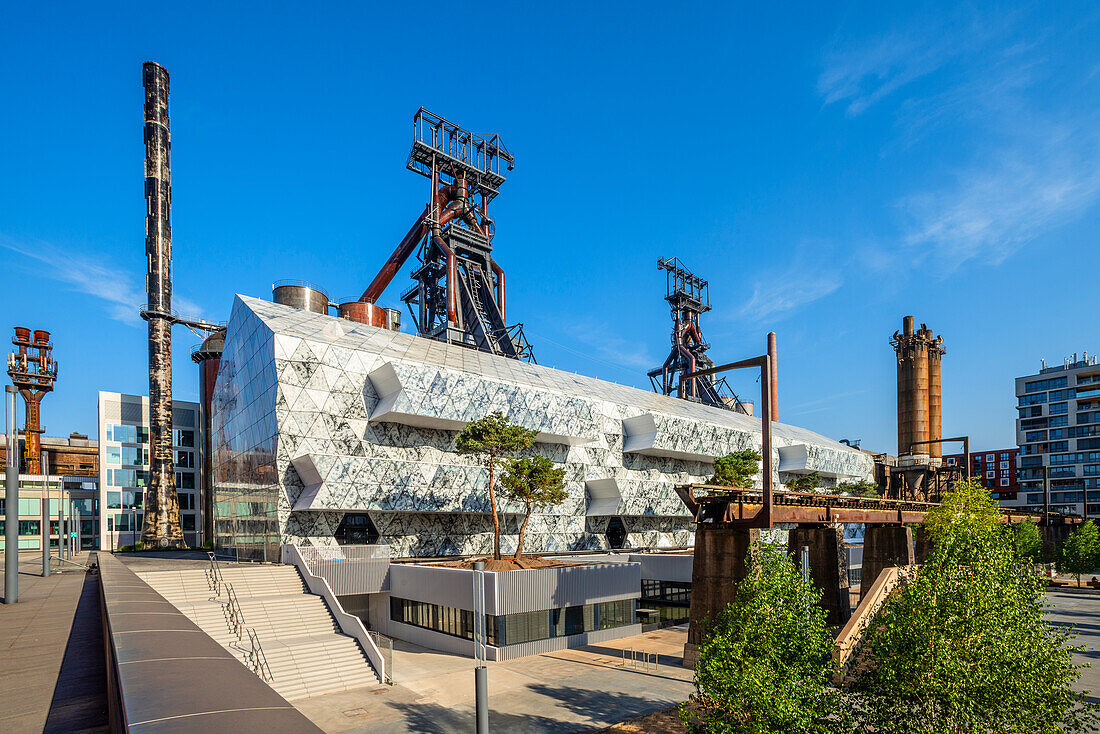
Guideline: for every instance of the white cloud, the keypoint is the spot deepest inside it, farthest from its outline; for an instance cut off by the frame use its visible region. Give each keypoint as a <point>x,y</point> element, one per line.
<point>122,297</point>
<point>776,296</point>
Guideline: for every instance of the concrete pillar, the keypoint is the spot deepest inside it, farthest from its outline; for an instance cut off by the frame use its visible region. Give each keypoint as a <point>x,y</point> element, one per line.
<point>1053,537</point>
<point>884,546</point>
<point>828,567</point>
<point>923,546</point>
<point>721,555</point>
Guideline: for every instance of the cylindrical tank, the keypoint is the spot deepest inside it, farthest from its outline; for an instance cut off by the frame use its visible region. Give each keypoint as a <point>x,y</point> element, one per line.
<point>299,294</point>
<point>905,386</point>
<point>363,313</point>
<point>22,333</point>
<point>393,319</point>
<point>41,336</point>
<point>920,390</point>
<point>208,357</point>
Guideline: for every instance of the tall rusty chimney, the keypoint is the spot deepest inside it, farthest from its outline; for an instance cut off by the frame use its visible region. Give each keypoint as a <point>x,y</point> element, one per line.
<point>935,396</point>
<point>162,517</point>
<point>919,388</point>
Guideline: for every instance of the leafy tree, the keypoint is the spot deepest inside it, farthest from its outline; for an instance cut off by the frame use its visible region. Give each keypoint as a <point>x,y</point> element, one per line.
<point>765,664</point>
<point>492,439</point>
<point>861,488</point>
<point>534,482</point>
<point>962,647</point>
<point>1079,551</point>
<point>805,482</point>
<point>1028,542</point>
<point>736,469</point>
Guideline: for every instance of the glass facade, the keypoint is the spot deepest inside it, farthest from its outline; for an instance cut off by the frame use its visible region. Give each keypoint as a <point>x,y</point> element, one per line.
<point>671,600</point>
<point>514,629</point>
<point>246,489</point>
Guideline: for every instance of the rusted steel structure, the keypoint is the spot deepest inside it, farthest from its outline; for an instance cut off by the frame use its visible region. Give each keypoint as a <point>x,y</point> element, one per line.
<point>688,298</point>
<point>32,372</point>
<point>919,355</point>
<point>460,294</point>
<point>162,518</point>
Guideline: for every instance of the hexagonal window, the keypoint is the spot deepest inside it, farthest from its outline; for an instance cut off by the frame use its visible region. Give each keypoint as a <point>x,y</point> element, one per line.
<point>616,533</point>
<point>356,529</point>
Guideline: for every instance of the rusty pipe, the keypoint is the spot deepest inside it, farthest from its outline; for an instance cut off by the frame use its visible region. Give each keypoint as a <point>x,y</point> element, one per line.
<point>773,356</point>
<point>444,198</point>
<point>691,368</point>
<point>499,271</point>
<point>452,278</point>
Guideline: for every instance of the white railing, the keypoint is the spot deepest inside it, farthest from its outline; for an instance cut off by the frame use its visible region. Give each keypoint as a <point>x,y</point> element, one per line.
<point>349,569</point>
<point>349,623</point>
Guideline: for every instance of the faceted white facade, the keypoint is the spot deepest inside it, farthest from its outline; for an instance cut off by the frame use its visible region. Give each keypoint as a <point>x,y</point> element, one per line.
<point>316,416</point>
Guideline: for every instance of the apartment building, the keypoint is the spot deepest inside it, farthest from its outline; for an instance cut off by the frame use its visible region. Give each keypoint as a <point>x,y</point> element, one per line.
<point>1058,433</point>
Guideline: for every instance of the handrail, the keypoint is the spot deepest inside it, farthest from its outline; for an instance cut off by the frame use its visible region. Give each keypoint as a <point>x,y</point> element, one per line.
<point>257,658</point>
<point>214,575</point>
<point>234,618</point>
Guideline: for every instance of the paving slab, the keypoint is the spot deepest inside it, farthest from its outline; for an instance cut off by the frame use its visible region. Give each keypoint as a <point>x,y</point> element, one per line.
<point>581,689</point>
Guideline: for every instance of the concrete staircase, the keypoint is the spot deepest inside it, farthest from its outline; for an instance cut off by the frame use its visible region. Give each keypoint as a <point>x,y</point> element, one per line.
<point>307,654</point>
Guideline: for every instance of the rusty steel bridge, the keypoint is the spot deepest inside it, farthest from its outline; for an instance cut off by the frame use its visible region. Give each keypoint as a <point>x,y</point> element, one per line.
<point>749,508</point>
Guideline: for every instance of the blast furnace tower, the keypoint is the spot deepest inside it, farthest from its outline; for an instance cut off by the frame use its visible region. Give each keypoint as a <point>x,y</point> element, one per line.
<point>33,373</point>
<point>688,297</point>
<point>459,295</point>
<point>919,354</point>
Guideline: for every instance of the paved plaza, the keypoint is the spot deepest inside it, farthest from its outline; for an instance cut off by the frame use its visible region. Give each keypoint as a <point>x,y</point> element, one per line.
<point>562,691</point>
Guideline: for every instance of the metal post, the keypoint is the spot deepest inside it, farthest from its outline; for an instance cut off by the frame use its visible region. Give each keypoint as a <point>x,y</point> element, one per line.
<point>61,534</point>
<point>806,563</point>
<point>481,673</point>
<point>11,505</point>
<point>45,516</point>
<point>1046,497</point>
<point>766,435</point>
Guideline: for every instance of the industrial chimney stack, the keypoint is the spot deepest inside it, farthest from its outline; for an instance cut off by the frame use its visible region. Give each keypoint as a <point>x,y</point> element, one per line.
<point>162,518</point>
<point>920,401</point>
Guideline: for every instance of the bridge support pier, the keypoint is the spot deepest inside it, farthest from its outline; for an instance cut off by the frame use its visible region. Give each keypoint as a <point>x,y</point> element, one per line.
<point>1053,537</point>
<point>721,560</point>
<point>828,567</point>
<point>884,546</point>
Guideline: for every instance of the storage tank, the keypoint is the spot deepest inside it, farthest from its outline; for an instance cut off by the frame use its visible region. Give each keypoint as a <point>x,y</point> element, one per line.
<point>363,313</point>
<point>300,294</point>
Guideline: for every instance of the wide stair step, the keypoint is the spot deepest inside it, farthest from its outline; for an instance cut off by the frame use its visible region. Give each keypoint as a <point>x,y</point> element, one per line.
<point>305,650</point>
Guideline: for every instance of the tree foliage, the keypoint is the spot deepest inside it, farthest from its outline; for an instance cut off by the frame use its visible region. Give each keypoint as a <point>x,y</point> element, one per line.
<point>765,664</point>
<point>805,482</point>
<point>1079,552</point>
<point>536,483</point>
<point>861,488</point>
<point>1028,542</point>
<point>492,439</point>
<point>963,647</point>
<point>736,469</point>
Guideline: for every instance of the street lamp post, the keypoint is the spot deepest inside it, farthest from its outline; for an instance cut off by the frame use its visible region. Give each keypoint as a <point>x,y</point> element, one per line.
<point>11,505</point>
<point>481,674</point>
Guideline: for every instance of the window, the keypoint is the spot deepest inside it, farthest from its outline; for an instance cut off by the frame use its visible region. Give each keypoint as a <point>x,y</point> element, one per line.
<point>112,455</point>
<point>187,500</point>
<point>1059,433</point>
<point>1033,423</point>
<point>185,480</point>
<point>1061,395</point>
<point>1058,420</point>
<point>1062,471</point>
<point>188,522</point>
<point>128,434</point>
<point>1004,482</point>
<point>990,475</point>
<point>1003,465</point>
<point>1035,499</point>
<point>1087,418</point>
<point>951,461</point>
<point>183,438</point>
<point>1051,384</point>
<point>185,459</point>
<point>1057,408</point>
<point>1031,461</point>
<point>1035,436</point>
<point>1033,399</point>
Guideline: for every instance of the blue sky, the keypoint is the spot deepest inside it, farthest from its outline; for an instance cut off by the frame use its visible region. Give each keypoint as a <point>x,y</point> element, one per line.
<point>828,169</point>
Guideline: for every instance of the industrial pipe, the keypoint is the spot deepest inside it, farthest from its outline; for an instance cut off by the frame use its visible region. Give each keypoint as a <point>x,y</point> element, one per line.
<point>397,259</point>
<point>691,368</point>
<point>499,271</point>
<point>452,279</point>
<point>773,356</point>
